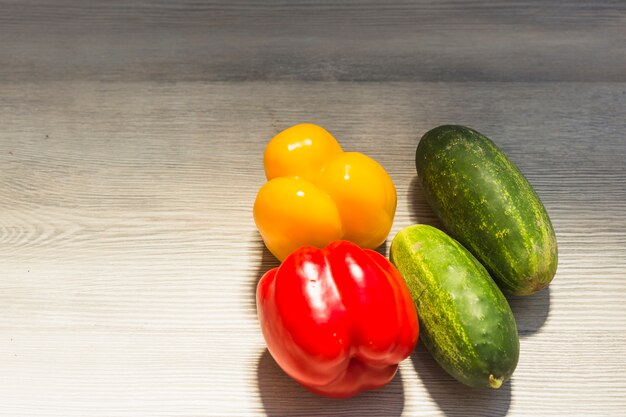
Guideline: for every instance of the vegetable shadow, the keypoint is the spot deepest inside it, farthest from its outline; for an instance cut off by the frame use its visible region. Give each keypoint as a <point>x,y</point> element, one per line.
<point>530,311</point>
<point>267,262</point>
<point>454,398</point>
<point>420,209</point>
<point>382,249</point>
<point>283,396</point>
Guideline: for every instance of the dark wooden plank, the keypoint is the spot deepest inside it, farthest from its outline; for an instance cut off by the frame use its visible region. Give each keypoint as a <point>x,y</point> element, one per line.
<point>344,40</point>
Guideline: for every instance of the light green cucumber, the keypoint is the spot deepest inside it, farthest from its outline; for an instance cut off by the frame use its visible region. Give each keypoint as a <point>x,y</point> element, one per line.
<point>465,320</point>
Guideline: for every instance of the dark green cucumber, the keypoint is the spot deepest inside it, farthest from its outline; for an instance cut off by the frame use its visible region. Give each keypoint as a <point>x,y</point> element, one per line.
<point>485,203</point>
<point>465,321</point>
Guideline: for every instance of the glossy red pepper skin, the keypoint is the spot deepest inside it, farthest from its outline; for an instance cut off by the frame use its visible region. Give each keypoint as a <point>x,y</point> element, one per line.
<point>338,320</point>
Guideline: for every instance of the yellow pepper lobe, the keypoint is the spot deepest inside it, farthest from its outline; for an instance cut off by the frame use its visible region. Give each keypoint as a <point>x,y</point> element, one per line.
<point>300,151</point>
<point>364,195</point>
<point>292,212</point>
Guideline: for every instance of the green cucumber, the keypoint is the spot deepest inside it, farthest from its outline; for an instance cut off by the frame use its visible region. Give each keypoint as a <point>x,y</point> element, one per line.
<point>485,203</point>
<point>465,320</point>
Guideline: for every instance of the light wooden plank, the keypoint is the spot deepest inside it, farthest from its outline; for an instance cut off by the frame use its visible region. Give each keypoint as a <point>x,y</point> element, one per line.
<point>129,258</point>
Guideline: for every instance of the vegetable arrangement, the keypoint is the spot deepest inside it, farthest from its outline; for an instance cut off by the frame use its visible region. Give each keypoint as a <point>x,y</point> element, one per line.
<point>338,317</point>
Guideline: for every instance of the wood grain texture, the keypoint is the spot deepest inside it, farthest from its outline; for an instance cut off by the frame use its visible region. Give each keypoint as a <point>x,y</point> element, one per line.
<point>129,256</point>
<point>131,136</point>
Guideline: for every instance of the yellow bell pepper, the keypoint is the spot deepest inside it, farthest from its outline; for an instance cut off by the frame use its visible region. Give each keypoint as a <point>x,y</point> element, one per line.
<point>317,193</point>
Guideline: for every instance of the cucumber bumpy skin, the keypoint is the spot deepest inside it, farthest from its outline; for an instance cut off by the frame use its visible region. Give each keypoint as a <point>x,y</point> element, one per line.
<point>486,203</point>
<point>466,322</point>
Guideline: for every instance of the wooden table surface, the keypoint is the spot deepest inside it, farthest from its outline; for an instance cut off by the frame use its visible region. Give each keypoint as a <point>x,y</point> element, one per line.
<point>131,140</point>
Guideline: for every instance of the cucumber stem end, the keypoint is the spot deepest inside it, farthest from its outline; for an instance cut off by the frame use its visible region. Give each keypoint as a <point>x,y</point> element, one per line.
<point>494,382</point>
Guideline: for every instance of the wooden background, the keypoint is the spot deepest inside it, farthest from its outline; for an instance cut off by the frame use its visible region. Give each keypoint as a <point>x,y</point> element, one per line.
<point>131,140</point>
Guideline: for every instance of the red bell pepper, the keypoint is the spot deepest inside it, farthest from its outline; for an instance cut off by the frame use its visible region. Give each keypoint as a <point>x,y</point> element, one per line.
<point>338,320</point>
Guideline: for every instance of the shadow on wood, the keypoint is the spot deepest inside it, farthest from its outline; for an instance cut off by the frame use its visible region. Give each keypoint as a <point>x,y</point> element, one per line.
<point>531,311</point>
<point>382,249</point>
<point>283,396</point>
<point>454,398</point>
<point>267,262</point>
<point>420,209</point>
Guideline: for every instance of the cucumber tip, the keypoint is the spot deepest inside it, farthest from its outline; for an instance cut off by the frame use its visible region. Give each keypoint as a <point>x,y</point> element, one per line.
<point>494,382</point>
